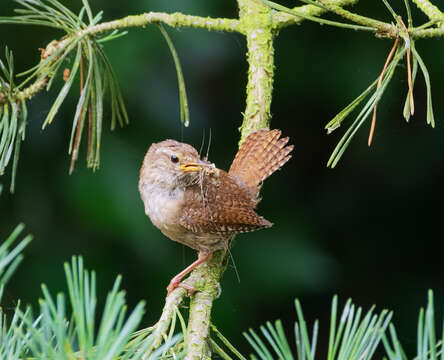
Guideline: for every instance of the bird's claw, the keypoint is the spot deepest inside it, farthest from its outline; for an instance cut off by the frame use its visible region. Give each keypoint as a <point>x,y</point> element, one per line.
<point>174,283</point>
<point>177,283</point>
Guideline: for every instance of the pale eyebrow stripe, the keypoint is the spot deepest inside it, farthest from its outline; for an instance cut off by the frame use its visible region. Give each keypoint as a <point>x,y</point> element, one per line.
<point>166,151</point>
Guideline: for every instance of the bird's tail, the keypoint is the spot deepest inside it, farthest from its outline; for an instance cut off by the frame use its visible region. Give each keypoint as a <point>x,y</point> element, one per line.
<point>259,156</point>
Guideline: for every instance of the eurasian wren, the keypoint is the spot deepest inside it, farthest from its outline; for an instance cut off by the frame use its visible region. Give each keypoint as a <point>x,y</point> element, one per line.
<point>194,203</point>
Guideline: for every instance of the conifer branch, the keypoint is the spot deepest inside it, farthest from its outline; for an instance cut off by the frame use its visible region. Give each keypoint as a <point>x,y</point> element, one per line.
<point>258,27</point>
<point>174,20</point>
<point>282,19</point>
<point>431,10</point>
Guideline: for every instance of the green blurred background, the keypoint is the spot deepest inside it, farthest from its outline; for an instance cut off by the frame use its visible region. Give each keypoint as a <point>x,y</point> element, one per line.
<point>369,229</point>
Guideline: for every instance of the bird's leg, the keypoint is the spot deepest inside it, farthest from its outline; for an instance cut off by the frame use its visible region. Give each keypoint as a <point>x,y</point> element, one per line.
<point>176,281</point>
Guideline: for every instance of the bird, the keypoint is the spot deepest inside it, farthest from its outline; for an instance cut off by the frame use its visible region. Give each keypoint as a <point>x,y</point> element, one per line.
<point>196,204</point>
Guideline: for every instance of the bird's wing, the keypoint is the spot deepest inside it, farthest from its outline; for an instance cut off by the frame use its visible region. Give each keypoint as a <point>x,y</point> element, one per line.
<point>219,205</point>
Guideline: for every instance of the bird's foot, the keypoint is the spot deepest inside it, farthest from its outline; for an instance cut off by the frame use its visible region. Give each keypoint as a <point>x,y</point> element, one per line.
<point>175,283</point>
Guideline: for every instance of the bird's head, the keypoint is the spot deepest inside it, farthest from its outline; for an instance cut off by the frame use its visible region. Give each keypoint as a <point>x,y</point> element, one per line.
<point>172,164</point>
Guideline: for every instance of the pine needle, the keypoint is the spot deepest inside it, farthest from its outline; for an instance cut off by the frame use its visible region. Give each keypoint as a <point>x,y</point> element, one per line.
<point>389,58</point>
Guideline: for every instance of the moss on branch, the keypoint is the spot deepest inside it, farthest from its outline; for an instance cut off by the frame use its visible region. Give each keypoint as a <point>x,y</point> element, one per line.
<point>257,25</point>
<point>206,280</point>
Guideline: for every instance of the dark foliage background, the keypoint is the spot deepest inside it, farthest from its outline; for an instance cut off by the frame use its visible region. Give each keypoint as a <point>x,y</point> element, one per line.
<point>370,229</point>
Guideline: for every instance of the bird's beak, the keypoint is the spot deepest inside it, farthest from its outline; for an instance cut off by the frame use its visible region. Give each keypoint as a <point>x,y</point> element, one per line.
<point>195,166</point>
<point>190,167</point>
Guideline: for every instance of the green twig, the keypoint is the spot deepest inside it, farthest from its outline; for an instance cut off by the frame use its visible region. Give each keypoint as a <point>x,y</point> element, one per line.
<point>282,19</point>
<point>302,15</point>
<point>176,20</point>
<point>429,9</point>
<point>426,25</point>
<point>426,33</point>
<point>383,29</point>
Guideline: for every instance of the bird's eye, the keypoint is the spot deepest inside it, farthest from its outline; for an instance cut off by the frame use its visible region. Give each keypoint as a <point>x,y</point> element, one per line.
<point>174,159</point>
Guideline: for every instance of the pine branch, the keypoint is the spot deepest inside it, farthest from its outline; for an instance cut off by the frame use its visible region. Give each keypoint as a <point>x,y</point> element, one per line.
<point>84,39</point>
<point>363,23</point>
<point>11,339</point>
<point>382,29</point>
<point>286,16</point>
<point>259,31</point>
<point>10,259</point>
<point>427,33</point>
<point>174,20</point>
<point>205,280</point>
<point>54,334</point>
<point>355,336</point>
<point>283,19</point>
<point>431,10</point>
<point>429,345</point>
<point>436,17</point>
<point>258,22</point>
<point>13,118</point>
<point>82,30</point>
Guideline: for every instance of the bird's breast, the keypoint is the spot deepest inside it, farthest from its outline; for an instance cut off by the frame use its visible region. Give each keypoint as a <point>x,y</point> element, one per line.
<point>164,210</point>
<point>162,205</point>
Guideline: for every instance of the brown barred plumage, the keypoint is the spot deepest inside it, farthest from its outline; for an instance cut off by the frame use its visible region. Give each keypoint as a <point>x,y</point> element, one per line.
<point>219,206</point>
